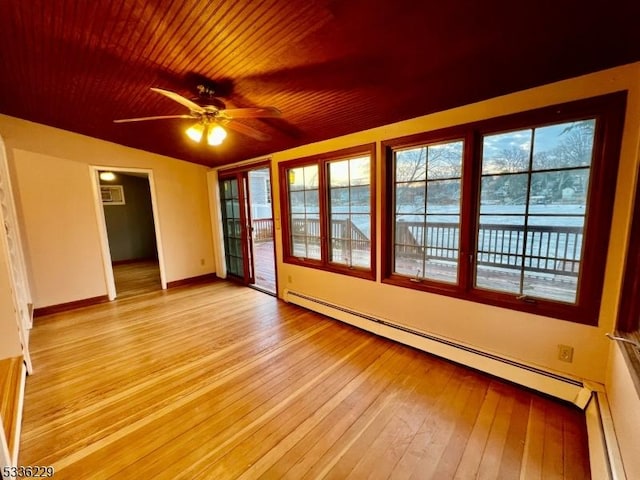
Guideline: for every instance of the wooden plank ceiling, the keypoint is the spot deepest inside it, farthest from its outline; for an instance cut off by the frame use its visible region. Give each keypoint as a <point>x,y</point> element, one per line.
<point>331,66</point>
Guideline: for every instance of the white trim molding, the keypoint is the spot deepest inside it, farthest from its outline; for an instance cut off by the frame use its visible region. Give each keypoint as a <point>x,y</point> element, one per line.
<point>94,171</point>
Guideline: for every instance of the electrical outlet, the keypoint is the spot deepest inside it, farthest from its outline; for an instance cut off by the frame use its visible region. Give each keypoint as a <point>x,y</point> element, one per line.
<point>565,353</point>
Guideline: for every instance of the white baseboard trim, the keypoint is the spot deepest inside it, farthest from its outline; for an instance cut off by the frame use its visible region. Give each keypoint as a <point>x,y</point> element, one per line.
<point>554,384</point>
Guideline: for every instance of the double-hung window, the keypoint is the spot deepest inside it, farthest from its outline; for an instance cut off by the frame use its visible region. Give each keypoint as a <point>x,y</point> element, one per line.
<point>328,211</point>
<point>513,211</point>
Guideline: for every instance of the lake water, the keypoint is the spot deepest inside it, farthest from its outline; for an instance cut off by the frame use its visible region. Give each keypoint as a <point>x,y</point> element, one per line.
<point>539,215</point>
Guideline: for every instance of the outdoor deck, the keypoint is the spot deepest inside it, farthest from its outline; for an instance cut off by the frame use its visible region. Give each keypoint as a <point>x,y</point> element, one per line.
<point>264,263</point>
<point>541,262</point>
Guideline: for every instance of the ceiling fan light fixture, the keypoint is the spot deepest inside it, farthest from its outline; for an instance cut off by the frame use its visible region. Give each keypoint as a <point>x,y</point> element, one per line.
<point>195,132</point>
<point>209,117</point>
<point>216,135</point>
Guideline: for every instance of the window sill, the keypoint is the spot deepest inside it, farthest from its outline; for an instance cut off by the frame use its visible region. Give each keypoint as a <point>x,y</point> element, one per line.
<point>575,314</point>
<point>332,268</point>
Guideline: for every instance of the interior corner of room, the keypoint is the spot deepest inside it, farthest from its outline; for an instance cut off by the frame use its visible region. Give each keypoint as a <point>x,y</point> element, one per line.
<point>393,229</point>
<point>199,240</point>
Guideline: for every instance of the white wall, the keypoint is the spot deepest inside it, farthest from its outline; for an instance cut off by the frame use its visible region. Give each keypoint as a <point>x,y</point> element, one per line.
<point>525,337</point>
<point>52,185</point>
<point>624,403</point>
<point>9,334</point>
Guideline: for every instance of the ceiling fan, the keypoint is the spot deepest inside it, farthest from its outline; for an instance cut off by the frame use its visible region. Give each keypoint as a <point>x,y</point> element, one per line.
<point>211,119</point>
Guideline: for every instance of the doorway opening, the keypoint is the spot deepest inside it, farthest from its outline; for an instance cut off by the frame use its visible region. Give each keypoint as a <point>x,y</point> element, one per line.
<point>130,233</point>
<point>247,222</point>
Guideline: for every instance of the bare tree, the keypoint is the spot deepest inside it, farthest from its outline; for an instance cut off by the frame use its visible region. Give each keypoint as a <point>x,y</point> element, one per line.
<point>439,164</point>
<point>445,161</point>
<point>576,146</point>
<point>411,165</point>
<point>512,160</point>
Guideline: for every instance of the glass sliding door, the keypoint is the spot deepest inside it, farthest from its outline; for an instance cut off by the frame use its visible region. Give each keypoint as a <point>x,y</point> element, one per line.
<point>247,221</point>
<point>236,223</point>
<point>259,180</point>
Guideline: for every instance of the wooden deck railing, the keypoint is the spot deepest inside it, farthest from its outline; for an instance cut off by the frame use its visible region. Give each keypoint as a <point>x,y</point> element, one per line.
<point>342,232</point>
<point>262,229</point>
<point>544,249</point>
<point>345,232</point>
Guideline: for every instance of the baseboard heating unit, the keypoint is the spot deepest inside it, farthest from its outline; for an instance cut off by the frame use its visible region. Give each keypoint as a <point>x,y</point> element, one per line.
<point>603,449</point>
<point>559,386</point>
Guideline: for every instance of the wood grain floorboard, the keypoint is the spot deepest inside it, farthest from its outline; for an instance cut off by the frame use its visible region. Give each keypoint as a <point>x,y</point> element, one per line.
<point>11,371</point>
<point>219,381</point>
<point>136,277</point>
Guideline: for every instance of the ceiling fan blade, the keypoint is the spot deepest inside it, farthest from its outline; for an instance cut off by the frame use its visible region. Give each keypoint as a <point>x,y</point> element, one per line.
<point>247,130</point>
<point>180,99</point>
<point>255,112</point>
<point>159,117</point>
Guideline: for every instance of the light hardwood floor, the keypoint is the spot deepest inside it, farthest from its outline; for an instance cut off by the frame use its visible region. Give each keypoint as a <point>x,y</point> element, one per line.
<point>137,277</point>
<point>219,381</point>
<point>11,372</point>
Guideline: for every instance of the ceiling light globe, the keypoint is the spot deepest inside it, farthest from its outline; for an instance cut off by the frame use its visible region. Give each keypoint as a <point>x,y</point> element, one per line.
<point>216,135</point>
<point>195,132</point>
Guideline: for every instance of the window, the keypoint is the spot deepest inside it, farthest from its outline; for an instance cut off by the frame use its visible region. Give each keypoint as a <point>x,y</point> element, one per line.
<point>427,180</point>
<point>304,202</point>
<point>267,190</point>
<point>328,211</point>
<point>533,193</point>
<point>513,211</point>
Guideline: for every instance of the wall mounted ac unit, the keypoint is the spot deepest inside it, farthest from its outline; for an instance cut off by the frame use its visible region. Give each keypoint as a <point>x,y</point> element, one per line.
<point>112,194</point>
